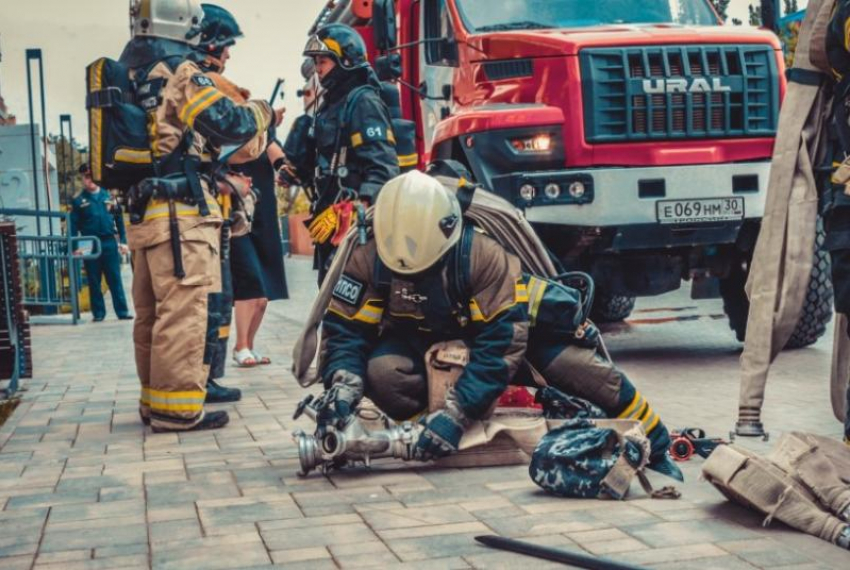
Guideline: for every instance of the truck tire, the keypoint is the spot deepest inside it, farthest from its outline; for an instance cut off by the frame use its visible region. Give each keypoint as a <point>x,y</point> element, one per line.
<point>611,308</point>
<point>817,308</point>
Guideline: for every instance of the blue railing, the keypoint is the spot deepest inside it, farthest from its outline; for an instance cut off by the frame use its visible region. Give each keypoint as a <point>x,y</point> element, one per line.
<point>50,271</point>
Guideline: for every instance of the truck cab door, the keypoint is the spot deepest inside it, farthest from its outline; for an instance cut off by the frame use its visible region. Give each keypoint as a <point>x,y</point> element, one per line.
<point>437,60</point>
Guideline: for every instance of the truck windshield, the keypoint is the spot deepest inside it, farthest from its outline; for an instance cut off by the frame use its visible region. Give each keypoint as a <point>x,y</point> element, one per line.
<point>479,15</point>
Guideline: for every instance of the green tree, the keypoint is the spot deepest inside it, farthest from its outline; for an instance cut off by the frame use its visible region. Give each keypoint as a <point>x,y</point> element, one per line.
<point>68,161</point>
<point>722,6</point>
<point>755,15</point>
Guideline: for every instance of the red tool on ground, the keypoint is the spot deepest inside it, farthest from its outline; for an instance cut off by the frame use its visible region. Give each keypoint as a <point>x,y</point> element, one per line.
<point>688,441</point>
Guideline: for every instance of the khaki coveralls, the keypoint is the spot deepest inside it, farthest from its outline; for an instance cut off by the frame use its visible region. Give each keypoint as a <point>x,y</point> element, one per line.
<point>172,321</point>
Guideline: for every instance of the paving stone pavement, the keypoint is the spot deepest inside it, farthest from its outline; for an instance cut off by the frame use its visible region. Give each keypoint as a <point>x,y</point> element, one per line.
<point>83,485</point>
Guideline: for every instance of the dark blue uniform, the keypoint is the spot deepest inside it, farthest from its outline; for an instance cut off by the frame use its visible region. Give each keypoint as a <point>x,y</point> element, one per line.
<point>97,214</point>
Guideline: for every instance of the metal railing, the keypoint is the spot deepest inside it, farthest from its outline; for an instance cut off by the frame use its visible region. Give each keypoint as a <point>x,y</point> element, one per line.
<point>50,270</point>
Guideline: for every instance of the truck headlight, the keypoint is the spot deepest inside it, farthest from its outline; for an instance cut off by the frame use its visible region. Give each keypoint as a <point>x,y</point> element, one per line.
<point>552,191</point>
<point>536,143</point>
<point>577,190</point>
<point>527,192</point>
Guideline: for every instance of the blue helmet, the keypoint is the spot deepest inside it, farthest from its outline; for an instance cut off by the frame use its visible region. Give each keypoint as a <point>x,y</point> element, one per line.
<point>219,29</point>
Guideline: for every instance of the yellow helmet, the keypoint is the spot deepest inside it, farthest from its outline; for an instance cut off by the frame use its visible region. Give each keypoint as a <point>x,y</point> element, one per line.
<point>416,221</point>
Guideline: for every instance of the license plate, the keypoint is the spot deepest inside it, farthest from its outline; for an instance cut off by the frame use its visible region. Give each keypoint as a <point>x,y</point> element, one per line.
<point>699,211</point>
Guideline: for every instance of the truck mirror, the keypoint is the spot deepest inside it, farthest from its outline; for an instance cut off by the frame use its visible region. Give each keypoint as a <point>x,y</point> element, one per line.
<point>388,67</point>
<point>383,24</point>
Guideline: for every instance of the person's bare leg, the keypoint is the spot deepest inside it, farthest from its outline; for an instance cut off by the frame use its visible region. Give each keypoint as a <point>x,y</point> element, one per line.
<point>244,314</point>
<point>257,319</point>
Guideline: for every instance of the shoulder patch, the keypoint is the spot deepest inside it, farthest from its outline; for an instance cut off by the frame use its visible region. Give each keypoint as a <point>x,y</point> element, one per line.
<point>349,291</point>
<point>202,80</point>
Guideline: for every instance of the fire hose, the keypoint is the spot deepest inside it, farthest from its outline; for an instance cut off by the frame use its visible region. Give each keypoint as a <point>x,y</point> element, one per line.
<point>354,442</point>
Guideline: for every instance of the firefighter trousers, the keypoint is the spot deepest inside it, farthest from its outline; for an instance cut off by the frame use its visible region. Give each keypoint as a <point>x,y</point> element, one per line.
<point>173,320</point>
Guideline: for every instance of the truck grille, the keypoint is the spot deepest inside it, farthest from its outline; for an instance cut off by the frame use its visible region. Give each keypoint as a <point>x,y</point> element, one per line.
<point>679,92</point>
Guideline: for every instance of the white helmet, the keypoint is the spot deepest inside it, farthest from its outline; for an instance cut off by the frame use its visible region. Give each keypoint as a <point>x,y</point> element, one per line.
<point>178,20</point>
<point>416,221</point>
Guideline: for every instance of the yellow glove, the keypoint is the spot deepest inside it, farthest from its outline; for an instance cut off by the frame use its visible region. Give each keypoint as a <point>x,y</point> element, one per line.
<point>324,225</point>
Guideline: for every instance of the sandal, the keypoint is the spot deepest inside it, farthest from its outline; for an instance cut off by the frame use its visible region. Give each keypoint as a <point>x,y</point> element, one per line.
<point>244,358</point>
<point>260,359</point>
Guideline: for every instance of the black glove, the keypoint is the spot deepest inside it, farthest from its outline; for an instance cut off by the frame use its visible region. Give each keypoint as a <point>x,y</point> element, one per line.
<point>338,403</point>
<point>442,433</point>
<point>587,335</point>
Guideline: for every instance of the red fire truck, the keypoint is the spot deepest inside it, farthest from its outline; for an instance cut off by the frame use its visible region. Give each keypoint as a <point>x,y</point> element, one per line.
<point>636,136</point>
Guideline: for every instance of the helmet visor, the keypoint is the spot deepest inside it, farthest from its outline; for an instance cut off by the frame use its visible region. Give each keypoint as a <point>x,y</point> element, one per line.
<point>315,46</point>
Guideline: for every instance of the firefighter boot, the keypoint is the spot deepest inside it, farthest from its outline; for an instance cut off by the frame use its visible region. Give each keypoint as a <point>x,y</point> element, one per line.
<point>218,394</point>
<point>212,420</point>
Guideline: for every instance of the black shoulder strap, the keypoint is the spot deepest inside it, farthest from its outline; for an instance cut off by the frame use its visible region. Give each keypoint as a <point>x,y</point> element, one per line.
<point>382,277</point>
<point>459,266</point>
<point>465,193</point>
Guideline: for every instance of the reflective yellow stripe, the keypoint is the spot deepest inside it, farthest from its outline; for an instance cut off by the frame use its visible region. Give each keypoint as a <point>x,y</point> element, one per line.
<point>521,292</point>
<point>627,412</point>
<point>537,287</point>
<point>96,82</point>
<point>356,140</point>
<point>186,401</point>
<point>262,124</point>
<point>640,411</point>
<point>159,209</point>
<point>198,104</point>
<point>475,311</point>
<point>391,136</point>
<point>408,160</point>
<point>654,423</point>
<point>187,108</point>
<point>133,156</point>
<point>224,332</point>
<point>176,407</point>
<point>369,314</point>
<point>225,202</point>
<point>847,34</point>
<point>153,131</point>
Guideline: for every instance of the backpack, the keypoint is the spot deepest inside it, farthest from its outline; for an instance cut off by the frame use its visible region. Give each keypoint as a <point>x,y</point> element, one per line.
<point>593,459</point>
<point>120,153</point>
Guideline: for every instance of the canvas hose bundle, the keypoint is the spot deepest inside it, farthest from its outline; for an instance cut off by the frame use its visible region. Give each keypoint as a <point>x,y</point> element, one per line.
<point>804,482</point>
<point>782,260</point>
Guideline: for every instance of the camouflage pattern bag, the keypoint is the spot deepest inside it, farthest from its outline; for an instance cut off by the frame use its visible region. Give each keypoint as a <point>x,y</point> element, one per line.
<point>583,459</point>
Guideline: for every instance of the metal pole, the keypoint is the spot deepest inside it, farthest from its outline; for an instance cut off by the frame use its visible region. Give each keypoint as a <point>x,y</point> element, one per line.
<point>44,136</point>
<point>30,54</point>
<point>62,162</point>
<point>73,165</point>
<point>63,119</point>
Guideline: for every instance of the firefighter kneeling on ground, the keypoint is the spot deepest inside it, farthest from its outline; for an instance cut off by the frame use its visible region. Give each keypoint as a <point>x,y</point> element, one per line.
<point>428,277</point>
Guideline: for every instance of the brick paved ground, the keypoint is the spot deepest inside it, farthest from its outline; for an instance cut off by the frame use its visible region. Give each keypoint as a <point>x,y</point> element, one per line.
<point>83,485</point>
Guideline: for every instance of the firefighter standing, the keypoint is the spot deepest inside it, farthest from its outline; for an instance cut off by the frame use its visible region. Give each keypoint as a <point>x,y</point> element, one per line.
<point>355,151</point>
<point>427,278</point>
<point>176,282</point>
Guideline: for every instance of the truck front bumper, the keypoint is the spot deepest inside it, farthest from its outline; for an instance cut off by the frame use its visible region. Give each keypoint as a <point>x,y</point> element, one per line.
<point>617,197</point>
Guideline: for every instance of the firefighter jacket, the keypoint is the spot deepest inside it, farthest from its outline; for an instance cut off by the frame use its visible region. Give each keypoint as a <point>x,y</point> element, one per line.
<point>492,314</point>
<point>191,113</point>
<point>355,144</point>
